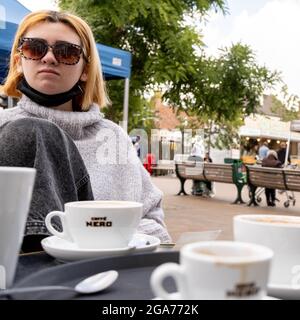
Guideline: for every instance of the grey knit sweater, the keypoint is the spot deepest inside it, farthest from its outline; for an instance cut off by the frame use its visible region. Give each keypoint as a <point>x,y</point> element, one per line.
<point>115,170</point>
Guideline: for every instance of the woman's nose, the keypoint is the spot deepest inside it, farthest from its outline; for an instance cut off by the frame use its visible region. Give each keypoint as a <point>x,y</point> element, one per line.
<point>49,57</point>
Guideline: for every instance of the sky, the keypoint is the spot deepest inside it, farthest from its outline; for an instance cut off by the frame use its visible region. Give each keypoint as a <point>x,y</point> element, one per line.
<point>38,5</point>
<point>270,27</point>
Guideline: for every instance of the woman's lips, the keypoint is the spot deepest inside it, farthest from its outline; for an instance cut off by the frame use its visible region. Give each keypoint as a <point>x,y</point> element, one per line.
<point>49,71</point>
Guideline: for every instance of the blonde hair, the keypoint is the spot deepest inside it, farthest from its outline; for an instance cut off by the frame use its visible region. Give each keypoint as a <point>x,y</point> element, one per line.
<point>272,153</point>
<point>94,88</point>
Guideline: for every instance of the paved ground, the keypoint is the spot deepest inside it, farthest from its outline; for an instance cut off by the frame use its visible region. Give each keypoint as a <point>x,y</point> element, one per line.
<point>194,213</point>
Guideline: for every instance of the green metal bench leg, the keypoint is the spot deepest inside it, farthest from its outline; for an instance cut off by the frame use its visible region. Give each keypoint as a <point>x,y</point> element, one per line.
<point>239,199</point>
<point>252,199</point>
<point>182,181</point>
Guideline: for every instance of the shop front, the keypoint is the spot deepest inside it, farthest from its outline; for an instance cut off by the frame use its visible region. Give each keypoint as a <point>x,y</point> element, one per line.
<point>259,129</point>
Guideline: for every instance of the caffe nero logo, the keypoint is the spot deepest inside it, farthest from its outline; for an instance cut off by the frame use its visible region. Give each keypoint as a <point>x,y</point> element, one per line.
<point>99,222</point>
<point>243,290</point>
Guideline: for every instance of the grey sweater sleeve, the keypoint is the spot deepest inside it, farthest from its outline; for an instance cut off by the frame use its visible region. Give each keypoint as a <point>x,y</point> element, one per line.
<point>151,197</point>
<point>153,220</point>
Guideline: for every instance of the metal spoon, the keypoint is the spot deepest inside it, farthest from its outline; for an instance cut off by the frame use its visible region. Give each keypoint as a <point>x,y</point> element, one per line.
<point>95,283</point>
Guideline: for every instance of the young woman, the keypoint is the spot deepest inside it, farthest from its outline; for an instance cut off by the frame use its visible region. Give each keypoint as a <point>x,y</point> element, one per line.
<point>57,126</point>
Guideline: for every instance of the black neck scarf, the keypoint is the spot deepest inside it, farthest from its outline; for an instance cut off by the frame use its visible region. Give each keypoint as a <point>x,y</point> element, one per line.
<point>48,100</point>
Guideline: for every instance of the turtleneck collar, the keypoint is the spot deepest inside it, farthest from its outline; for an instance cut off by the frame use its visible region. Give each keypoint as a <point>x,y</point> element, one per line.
<point>78,125</point>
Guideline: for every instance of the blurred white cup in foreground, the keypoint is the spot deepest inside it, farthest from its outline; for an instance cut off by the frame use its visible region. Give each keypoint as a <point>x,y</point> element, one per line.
<point>216,270</point>
<point>279,233</point>
<point>16,186</point>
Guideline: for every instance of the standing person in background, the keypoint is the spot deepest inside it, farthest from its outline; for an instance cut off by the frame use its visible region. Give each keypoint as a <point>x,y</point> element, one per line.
<point>149,161</point>
<point>271,160</point>
<point>137,146</point>
<point>263,150</point>
<point>282,153</point>
<point>3,101</point>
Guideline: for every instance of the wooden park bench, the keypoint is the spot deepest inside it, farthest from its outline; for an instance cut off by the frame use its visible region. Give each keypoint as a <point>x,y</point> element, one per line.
<point>208,172</point>
<point>292,179</point>
<point>163,167</point>
<point>272,178</point>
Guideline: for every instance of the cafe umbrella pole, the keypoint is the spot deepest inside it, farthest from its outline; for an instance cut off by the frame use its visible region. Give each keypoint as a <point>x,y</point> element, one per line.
<point>287,150</point>
<point>294,127</point>
<point>290,198</point>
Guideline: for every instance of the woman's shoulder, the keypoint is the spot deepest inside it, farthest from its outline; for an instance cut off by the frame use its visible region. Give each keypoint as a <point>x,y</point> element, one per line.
<point>9,111</point>
<point>9,114</point>
<point>106,123</point>
<point>117,129</point>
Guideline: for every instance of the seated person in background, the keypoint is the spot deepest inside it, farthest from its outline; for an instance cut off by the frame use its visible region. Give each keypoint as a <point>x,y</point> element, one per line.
<point>207,158</point>
<point>271,161</point>
<point>209,184</point>
<point>197,154</point>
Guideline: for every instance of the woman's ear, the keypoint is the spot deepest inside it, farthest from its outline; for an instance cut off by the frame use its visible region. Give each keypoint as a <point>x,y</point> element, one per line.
<point>18,64</point>
<point>19,68</point>
<point>84,75</point>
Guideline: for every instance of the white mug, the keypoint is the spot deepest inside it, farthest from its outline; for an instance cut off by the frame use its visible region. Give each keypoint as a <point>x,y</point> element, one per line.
<point>16,186</point>
<point>217,270</point>
<point>281,234</point>
<point>98,224</point>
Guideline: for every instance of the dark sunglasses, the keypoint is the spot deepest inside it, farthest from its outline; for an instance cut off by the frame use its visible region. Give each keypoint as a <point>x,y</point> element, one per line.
<point>35,49</point>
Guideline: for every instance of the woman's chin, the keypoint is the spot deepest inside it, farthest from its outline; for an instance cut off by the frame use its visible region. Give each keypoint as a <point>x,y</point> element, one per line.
<point>50,91</point>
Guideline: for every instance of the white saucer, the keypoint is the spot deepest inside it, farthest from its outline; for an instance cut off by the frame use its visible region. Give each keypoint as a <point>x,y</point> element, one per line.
<point>284,291</point>
<point>68,251</point>
<point>173,296</point>
<point>176,296</point>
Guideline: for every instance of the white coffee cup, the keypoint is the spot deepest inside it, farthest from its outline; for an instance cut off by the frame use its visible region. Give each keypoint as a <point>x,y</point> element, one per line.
<point>217,270</point>
<point>16,185</point>
<point>98,224</point>
<point>281,234</point>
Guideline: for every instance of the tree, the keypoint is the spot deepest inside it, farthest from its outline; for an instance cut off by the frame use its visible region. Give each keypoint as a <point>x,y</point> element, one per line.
<point>224,89</point>
<point>286,106</point>
<point>156,34</point>
<point>218,135</point>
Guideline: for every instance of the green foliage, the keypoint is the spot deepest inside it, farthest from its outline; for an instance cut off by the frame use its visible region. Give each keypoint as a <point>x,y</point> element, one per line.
<point>286,107</point>
<point>154,32</point>
<point>217,92</point>
<point>224,89</point>
<point>224,135</point>
<point>140,113</point>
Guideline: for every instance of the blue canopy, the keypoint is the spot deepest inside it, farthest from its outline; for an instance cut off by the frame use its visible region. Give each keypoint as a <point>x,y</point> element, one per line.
<point>116,63</point>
